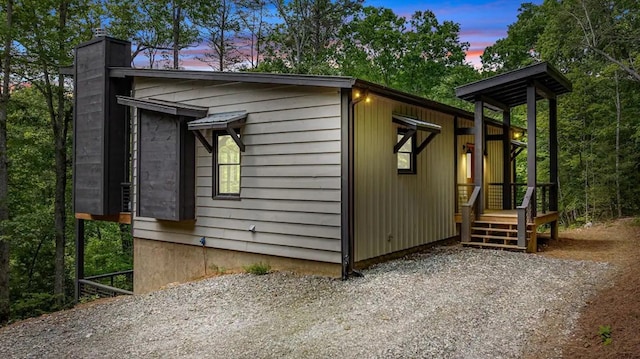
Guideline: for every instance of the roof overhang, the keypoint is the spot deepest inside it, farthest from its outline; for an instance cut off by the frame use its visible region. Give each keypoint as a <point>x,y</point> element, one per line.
<point>510,88</point>
<point>168,107</point>
<point>300,80</point>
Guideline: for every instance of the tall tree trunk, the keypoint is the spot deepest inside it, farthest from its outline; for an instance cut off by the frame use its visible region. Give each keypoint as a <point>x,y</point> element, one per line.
<point>176,33</point>
<point>618,119</point>
<point>4,177</point>
<point>60,124</point>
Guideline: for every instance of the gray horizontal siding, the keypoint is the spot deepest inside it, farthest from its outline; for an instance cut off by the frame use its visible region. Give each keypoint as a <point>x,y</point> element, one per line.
<point>290,171</point>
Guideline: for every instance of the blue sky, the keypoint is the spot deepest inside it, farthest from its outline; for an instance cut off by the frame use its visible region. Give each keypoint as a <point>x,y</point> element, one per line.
<point>482,22</point>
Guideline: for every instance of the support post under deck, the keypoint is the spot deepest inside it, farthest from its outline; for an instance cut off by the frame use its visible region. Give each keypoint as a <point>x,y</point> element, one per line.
<point>79,256</point>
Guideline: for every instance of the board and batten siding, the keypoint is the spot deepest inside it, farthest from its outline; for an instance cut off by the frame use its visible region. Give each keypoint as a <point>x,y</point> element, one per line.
<point>395,211</point>
<point>290,171</point>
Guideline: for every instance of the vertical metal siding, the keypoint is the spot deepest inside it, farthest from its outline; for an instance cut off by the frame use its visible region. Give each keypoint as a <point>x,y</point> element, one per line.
<point>392,211</point>
<point>493,159</point>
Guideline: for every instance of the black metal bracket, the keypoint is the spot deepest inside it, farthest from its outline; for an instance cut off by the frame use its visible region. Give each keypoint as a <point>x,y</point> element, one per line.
<point>403,140</point>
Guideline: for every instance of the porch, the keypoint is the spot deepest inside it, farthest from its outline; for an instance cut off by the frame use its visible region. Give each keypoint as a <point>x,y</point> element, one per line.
<point>507,214</point>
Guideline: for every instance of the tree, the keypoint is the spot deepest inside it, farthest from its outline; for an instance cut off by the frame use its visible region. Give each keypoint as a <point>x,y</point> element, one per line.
<point>61,24</point>
<point>609,29</point>
<point>220,24</point>
<point>519,47</point>
<point>372,46</point>
<point>252,15</point>
<point>303,41</point>
<point>434,50</point>
<point>145,24</point>
<point>4,178</point>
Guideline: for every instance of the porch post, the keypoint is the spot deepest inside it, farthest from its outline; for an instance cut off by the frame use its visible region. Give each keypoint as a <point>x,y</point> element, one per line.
<point>531,143</point>
<point>479,153</point>
<point>79,256</point>
<point>553,163</point>
<point>553,154</point>
<point>506,159</point>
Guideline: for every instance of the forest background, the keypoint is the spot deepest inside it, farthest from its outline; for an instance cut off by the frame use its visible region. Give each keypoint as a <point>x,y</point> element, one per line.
<point>596,44</point>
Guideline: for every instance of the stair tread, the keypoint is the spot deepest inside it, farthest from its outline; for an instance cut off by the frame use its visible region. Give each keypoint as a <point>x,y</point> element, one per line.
<point>494,237</point>
<point>495,222</point>
<point>492,229</point>
<point>508,246</point>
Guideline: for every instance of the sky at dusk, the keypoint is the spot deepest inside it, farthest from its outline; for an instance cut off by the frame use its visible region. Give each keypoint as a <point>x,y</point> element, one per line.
<point>482,22</point>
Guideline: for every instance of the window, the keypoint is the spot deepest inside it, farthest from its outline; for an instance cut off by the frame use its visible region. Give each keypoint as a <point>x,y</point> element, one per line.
<point>226,166</point>
<point>407,153</point>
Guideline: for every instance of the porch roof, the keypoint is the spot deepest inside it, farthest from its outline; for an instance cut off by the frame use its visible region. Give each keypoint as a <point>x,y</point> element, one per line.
<point>510,88</point>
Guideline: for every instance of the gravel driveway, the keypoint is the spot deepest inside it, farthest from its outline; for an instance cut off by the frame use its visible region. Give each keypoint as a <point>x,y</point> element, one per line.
<point>449,303</point>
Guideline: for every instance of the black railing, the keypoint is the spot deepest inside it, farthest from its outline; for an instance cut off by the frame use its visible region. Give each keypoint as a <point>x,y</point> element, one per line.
<point>125,196</point>
<point>107,285</point>
<point>494,195</point>
<point>518,191</point>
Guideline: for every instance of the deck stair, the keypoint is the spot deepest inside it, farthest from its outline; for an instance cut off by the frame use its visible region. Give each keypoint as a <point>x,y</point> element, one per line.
<point>496,232</point>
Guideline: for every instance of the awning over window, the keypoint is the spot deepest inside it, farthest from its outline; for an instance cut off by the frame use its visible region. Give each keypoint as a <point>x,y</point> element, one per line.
<point>219,121</point>
<point>222,121</point>
<point>168,107</point>
<point>413,125</point>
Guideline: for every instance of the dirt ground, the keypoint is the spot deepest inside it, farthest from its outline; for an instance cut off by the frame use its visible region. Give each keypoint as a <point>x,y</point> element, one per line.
<point>618,306</point>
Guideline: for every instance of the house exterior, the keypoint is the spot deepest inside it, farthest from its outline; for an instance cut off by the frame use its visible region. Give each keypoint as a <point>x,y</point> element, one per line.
<point>314,174</point>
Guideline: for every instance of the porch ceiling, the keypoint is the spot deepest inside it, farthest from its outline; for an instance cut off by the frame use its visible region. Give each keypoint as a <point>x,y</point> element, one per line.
<point>510,89</point>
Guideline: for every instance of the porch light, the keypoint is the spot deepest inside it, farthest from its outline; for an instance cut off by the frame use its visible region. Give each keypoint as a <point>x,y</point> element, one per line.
<point>517,135</point>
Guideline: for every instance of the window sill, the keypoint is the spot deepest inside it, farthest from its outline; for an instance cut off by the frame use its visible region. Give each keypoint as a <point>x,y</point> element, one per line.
<point>406,172</point>
<point>227,197</point>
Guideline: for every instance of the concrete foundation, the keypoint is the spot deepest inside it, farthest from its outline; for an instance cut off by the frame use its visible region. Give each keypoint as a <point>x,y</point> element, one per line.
<point>157,263</point>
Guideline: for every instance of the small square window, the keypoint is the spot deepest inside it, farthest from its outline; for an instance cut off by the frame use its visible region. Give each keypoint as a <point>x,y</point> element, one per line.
<point>406,154</point>
<point>226,166</point>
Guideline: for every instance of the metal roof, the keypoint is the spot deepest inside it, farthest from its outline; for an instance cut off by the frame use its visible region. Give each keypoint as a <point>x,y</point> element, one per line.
<point>168,107</point>
<point>218,121</point>
<point>416,124</point>
<point>510,88</point>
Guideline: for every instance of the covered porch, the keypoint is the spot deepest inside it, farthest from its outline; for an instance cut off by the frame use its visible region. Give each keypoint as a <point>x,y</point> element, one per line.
<point>493,208</point>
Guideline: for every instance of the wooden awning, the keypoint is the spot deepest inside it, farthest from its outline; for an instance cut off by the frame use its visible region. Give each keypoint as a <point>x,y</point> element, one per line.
<point>413,125</point>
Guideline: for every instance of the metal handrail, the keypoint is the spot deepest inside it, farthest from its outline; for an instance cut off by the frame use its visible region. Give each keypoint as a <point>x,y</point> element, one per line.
<point>107,275</point>
<point>105,287</point>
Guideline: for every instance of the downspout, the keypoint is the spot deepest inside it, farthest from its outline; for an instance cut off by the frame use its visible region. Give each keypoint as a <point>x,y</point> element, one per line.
<point>348,194</point>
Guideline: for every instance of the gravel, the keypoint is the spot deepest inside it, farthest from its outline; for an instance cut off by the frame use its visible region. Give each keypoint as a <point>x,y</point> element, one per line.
<point>452,302</point>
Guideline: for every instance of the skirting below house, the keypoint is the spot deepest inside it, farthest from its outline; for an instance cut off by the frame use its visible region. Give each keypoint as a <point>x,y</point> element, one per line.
<point>157,264</point>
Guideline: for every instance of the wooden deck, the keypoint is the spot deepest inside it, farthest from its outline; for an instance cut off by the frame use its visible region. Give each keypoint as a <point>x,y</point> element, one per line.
<point>511,216</point>
<point>123,217</point>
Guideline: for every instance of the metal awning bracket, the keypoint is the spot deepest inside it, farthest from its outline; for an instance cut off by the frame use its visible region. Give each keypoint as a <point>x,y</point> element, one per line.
<point>403,140</point>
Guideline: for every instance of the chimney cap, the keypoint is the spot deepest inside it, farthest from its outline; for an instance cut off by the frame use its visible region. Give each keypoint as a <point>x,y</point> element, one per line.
<point>99,32</point>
